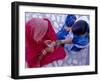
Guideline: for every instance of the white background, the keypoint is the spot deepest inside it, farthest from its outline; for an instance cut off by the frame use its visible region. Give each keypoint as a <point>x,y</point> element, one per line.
<point>5,40</point>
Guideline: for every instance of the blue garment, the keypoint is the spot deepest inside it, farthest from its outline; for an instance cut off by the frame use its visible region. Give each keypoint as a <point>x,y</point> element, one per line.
<point>62,33</point>
<point>69,21</point>
<point>79,42</point>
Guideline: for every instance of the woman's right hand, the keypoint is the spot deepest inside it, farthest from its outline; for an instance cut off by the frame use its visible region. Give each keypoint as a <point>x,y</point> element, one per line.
<point>49,49</point>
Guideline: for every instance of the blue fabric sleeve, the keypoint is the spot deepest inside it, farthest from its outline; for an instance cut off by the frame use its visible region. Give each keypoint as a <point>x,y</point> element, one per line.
<point>62,34</point>
<point>80,40</point>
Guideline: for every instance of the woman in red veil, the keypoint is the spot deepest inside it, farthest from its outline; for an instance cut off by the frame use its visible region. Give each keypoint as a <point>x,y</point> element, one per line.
<point>38,32</point>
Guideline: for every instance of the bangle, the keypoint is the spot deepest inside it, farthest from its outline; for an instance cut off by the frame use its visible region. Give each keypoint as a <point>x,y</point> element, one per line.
<point>44,52</point>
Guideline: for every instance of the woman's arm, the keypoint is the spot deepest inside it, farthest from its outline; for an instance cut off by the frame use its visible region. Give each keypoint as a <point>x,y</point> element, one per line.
<point>45,51</point>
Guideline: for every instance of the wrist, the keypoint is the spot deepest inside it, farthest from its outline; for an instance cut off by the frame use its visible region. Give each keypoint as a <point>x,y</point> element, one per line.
<point>44,52</point>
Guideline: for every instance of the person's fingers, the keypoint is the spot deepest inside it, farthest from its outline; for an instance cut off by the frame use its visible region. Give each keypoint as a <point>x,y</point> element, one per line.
<point>52,49</point>
<point>49,49</point>
<point>53,44</point>
<point>47,42</point>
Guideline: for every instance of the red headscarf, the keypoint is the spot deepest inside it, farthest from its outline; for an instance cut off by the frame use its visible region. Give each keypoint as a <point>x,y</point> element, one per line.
<point>37,31</point>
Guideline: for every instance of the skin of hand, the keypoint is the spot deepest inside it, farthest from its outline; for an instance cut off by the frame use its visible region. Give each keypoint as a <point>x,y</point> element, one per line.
<point>53,44</point>
<point>49,49</point>
<point>47,42</point>
<point>50,46</point>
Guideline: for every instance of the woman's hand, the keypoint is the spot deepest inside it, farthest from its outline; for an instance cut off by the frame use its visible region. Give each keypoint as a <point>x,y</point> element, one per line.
<point>48,43</point>
<point>50,46</point>
<point>49,49</point>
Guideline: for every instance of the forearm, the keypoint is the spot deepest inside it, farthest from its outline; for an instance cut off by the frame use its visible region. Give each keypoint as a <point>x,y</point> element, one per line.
<point>43,53</point>
<point>66,41</point>
<point>60,42</point>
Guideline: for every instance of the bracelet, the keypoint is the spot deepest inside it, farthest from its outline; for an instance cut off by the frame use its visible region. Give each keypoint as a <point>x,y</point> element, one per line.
<point>44,52</point>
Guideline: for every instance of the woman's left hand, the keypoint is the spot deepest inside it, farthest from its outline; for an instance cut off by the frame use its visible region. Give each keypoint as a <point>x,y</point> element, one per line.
<point>45,51</point>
